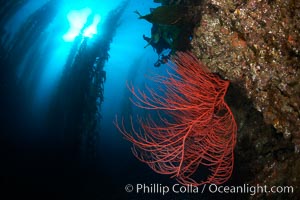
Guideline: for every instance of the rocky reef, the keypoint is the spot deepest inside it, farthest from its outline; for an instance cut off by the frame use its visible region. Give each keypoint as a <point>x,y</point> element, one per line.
<point>256,45</point>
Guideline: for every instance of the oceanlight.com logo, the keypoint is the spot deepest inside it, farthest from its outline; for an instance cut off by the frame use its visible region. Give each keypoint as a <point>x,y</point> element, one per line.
<point>157,188</point>
<point>249,189</point>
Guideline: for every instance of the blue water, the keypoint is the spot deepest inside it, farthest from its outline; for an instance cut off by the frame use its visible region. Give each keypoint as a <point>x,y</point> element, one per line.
<point>57,138</point>
<point>55,41</point>
<point>40,66</point>
<point>37,39</point>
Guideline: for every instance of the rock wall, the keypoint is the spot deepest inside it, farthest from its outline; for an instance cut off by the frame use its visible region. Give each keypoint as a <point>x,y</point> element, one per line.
<point>256,45</point>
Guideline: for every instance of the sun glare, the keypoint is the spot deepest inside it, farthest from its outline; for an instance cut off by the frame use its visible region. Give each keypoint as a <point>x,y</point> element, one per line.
<point>92,29</point>
<point>77,19</point>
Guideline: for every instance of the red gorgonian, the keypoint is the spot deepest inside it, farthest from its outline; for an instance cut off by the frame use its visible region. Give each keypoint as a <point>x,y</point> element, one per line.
<point>199,129</point>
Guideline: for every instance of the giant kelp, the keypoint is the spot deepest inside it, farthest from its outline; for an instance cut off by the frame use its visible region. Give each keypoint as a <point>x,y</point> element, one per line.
<point>75,111</point>
<point>27,37</point>
<point>8,9</point>
<point>167,15</point>
<point>173,24</point>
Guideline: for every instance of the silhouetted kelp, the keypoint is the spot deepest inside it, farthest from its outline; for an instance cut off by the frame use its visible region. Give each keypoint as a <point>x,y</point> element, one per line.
<point>8,9</point>
<point>17,96</point>
<point>27,37</point>
<point>173,23</point>
<point>75,110</point>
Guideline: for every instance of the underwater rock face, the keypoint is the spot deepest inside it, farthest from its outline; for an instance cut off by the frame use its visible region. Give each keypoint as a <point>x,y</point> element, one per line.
<point>256,45</point>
